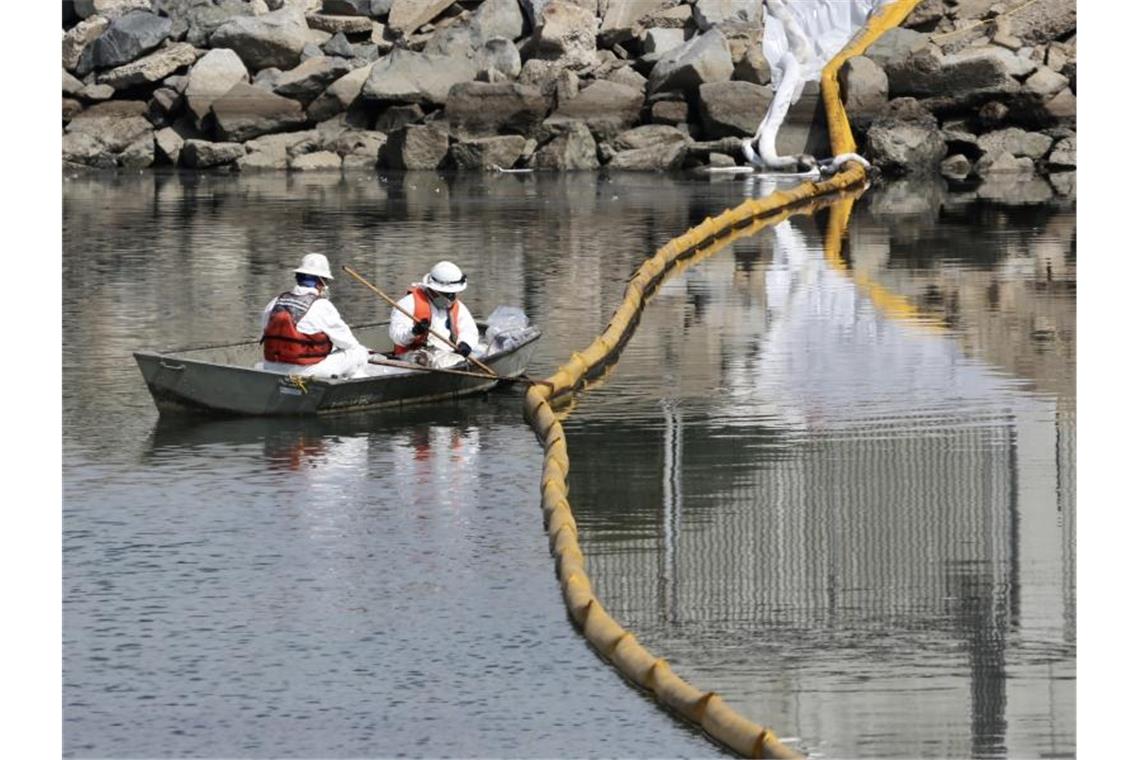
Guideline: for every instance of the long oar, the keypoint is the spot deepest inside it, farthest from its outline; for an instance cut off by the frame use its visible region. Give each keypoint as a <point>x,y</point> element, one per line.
<point>412,317</point>
<point>447,371</point>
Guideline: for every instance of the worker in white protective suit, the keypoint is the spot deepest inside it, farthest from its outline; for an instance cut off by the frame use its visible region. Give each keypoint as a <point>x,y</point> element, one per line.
<point>302,332</point>
<point>435,305</point>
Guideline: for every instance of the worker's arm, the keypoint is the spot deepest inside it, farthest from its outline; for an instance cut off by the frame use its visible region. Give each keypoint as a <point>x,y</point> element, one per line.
<point>265,313</point>
<point>468,330</point>
<point>323,317</point>
<point>400,326</point>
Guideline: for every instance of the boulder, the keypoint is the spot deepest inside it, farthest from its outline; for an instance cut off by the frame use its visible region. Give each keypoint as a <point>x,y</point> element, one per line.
<point>380,8</point>
<point>1046,82</point>
<point>115,124</point>
<point>567,33</point>
<point>895,46</point>
<point>164,106</point>
<point>671,112</point>
<point>347,7</point>
<point>709,13</point>
<point>323,160</point>
<point>661,158</point>
<point>678,16</point>
<point>196,20</point>
<point>900,148</point>
<point>660,40</point>
<point>479,109</point>
<point>1004,163</point>
<point>955,167</point>
<point>83,148</point>
<point>701,60</point>
<point>404,76</point>
<point>311,78</point>
<point>168,145</point>
<point>273,40</point>
<point>1015,141</point>
<point>623,21</point>
<point>202,154</point>
<point>127,38</point>
<point>339,46</point>
<point>151,68</point>
<point>416,147</point>
<point>532,9</point>
<point>1064,154</point>
<point>358,142</point>
<point>340,95</point>
<point>864,86</point>
<point>396,118</point>
<point>339,24</point>
<point>266,79</point>
<point>626,76</point>
<point>572,148</point>
<point>1044,20</point>
<point>139,154</point>
<point>488,153</point>
<point>650,136</point>
<point>500,54</point>
<point>1063,106</point>
<point>97,92</point>
<point>497,18</point>
<point>541,74</point>
<point>79,37</point>
<point>606,108</point>
<point>271,152</point>
<point>71,85</point>
<point>247,111</point>
<point>406,16</point>
<point>732,109</point>
<point>109,9</point>
<point>213,75</point>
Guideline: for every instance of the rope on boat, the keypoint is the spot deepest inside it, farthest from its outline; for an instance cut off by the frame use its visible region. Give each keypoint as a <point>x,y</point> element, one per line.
<point>620,647</point>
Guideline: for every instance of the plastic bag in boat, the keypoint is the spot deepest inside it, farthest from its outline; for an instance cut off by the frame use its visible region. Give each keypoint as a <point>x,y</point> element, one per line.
<point>506,327</point>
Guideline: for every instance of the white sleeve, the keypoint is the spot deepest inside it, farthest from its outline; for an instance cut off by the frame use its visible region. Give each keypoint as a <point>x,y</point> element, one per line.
<point>265,314</point>
<point>468,330</point>
<point>323,317</point>
<point>400,325</point>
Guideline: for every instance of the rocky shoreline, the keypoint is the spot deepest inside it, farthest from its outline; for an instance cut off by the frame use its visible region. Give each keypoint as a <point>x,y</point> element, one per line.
<point>971,89</point>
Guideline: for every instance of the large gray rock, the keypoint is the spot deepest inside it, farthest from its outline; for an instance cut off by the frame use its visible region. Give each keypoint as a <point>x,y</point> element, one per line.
<point>607,108</point>
<point>339,46</point>
<point>86,149</point>
<point>499,54</point>
<point>151,68</point>
<point>71,85</point>
<point>1044,20</point>
<point>416,147</point>
<point>320,161</point>
<point>653,147</point>
<point>271,152</point>
<point>79,37</point>
<point>660,40</point>
<point>533,8</point>
<point>273,40</point>
<point>864,86</point>
<point>709,13</point>
<point>168,145</point>
<point>566,33</point>
<point>625,21</point>
<point>395,118</point>
<point>1004,163</point>
<point>197,19</point>
<point>213,76</point>
<point>895,46</point>
<point>358,142</point>
<point>628,77</point>
<point>1064,154</point>
<point>480,109</point>
<point>488,153</point>
<point>305,82</point>
<point>1046,83</point>
<point>340,95</point>
<point>115,124</point>
<point>70,108</point>
<point>108,8</point>
<point>404,76</point>
<point>164,106</point>
<point>492,19</point>
<point>406,16</point>
<point>356,25</point>
<point>572,149</point>
<point>139,154</point>
<point>703,59</point>
<point>901,148</point>
<point>732,109</point>
<point>202,154</point>
<point>247,111</point>
<point>978,71</point>
<point>1015,141</point>
<point>127,38</point>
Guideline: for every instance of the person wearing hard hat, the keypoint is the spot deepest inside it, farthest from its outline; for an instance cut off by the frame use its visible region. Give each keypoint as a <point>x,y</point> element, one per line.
<point>302,333</point>
<point>435,305</point>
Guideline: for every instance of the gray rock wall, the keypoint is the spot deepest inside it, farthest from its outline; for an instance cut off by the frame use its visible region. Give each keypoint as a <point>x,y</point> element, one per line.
<point>965,88</point>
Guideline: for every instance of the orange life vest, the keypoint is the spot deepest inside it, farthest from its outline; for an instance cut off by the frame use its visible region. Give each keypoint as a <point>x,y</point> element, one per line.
<point>284,342</point>
<point>423,311</point>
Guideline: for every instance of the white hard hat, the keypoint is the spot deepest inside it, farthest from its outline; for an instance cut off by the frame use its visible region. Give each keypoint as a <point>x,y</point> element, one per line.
<point>315,264</point>
<point>445,277</point>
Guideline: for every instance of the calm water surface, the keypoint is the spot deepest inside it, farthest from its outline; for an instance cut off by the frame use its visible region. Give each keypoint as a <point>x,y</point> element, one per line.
<point>831,480</point>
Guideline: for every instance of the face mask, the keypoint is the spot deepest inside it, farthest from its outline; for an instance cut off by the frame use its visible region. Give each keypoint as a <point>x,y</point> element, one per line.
<point>441,301</point>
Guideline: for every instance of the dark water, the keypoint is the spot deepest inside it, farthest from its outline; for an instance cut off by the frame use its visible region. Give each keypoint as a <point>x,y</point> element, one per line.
<point>833,482</point>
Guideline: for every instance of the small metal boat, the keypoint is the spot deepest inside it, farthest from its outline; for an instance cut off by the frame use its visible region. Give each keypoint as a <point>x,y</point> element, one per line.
<point>223,381</point>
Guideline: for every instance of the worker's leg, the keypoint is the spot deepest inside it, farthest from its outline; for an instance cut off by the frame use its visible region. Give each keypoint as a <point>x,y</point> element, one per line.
<point>342,364</point>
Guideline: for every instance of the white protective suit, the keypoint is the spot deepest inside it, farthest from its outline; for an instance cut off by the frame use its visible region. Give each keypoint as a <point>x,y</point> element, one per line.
<point>400,328</point>
<point>348,359</point>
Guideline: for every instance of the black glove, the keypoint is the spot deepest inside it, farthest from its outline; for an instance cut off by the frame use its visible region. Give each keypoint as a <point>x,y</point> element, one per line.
<point>463,349</point>
<point>421,327</point>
